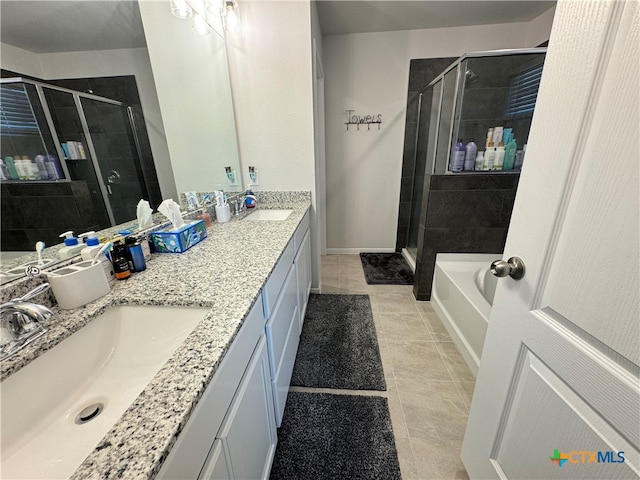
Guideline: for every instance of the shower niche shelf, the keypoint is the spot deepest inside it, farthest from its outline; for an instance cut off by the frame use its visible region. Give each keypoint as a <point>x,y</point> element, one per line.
<point>479,91</point>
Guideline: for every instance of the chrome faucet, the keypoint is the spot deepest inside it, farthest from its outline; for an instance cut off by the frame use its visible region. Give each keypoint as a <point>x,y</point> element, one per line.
<point>20,321</point>
<point>238,206</point>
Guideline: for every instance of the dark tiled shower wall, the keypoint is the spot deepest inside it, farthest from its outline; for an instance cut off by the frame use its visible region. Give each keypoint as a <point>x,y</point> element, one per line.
<point>27,208</point>
<point>461,214</point>
<point>421,73</point>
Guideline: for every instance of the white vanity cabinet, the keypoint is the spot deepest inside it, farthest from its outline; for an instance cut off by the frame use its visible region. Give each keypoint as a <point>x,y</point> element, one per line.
<point>302,263</point>
<point>283,298</point>
<point>231,432</point>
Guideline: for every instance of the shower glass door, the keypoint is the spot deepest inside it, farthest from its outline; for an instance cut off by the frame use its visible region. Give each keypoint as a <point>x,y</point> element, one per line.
<point>78,158</point>
<point>115,148</point>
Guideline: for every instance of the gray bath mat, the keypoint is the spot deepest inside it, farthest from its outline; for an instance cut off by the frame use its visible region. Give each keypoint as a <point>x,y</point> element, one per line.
<point>338,345</point>
<point>386,269</point>
<point>326,436</point>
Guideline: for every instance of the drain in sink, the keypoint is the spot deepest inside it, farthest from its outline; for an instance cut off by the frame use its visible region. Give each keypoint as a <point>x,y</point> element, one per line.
<point>89,413</point>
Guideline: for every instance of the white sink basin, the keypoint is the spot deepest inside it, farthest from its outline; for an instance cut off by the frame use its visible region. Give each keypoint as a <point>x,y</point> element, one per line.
<point>260,215</point>
<point>108,362</point>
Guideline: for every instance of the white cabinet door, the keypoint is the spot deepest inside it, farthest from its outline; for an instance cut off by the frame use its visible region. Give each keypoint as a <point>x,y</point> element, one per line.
<point>216,467</point>
<point>249,432</point>
<point>303,274</point>
<point>558,389</point>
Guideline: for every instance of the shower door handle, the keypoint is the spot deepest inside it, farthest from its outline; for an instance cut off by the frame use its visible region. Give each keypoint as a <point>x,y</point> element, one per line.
<point>514,267</point>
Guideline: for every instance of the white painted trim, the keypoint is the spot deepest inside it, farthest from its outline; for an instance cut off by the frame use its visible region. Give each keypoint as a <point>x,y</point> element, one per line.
<point>410,260</point>
<point>354,251</point>
<point>317,290</point>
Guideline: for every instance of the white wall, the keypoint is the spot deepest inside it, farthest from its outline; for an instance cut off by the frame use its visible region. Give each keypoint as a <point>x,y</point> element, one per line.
<point>369,73</point>
<point>86,64</point>
<point>270,65</point>
<point>192,81</point>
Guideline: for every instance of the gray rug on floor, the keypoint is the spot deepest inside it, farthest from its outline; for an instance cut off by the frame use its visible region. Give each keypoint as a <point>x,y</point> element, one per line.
<point>386,269</point>
<point>338,345</point>
<point>326,436</point>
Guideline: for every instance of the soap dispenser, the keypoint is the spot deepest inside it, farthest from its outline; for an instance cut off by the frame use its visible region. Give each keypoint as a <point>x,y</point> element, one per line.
<point>93,246</point>
<point>71,245</point>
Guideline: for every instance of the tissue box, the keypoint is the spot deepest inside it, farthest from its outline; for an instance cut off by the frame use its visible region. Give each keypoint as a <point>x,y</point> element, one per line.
<point>178,240</point>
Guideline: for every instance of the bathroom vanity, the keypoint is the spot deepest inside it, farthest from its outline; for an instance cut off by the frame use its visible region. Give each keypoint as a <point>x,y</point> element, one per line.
<point>212,410</point>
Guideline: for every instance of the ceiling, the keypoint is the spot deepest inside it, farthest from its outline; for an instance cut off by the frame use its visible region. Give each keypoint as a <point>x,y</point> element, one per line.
<point>70,25</point>
<point>345,16</point>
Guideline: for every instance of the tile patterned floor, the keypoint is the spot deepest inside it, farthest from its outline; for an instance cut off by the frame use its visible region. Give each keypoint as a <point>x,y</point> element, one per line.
<point>429,386</point>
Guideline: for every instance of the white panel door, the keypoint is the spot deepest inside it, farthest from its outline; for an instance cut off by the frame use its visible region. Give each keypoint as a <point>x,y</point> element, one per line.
<point>558,389</point>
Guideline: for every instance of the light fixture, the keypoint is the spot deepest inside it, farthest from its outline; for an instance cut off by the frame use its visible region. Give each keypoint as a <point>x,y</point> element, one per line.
<point>181,9</point>
<point>201,26</point>
<point>230,14</point>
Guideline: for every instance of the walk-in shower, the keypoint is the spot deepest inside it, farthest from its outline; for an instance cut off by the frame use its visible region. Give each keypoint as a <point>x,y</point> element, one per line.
<point>478,91</point>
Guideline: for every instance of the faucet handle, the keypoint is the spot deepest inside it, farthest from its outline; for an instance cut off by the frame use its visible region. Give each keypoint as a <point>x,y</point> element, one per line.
<point>33,293</point>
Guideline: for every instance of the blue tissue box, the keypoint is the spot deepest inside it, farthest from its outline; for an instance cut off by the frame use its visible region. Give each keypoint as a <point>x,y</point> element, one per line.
<point>181,239</point>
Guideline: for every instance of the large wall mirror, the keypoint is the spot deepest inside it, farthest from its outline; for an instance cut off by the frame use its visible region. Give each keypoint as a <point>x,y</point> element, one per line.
<point>146,97</point>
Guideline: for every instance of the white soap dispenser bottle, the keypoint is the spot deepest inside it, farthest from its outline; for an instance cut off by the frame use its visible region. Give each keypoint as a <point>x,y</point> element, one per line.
<point>71,245</point>
<point>91,247</point>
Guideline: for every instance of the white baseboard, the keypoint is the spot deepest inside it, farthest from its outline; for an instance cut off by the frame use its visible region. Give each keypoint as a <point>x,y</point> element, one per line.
<point>316,290</point>
<point>355,251</point>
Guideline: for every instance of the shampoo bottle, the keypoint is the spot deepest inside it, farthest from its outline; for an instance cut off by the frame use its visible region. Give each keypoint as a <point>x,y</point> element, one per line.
<point>489,157</point>
<point>510,154</point>
<point>470,155</point>
<point>479,161</point>
<point>489,138</point>
<point>457,157</point>
<point>499,161</point>
<point>71,245</point>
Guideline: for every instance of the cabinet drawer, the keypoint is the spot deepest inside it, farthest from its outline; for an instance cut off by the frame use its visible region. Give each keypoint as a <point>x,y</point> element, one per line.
<point>274,284</point>
<point>189,453</point>
<point>279,324</point>
<point>298,236</point>
<point>280,382</point>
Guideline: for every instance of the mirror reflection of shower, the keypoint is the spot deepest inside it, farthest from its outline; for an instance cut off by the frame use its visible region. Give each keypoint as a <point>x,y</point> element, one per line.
<point>94,142</point>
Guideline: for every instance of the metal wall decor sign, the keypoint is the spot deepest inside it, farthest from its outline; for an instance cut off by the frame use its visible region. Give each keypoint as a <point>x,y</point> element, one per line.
<point>354,119</point>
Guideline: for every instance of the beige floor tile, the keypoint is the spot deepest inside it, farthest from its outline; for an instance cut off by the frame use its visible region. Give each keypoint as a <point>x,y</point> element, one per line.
<point>425,307</point>
<point>330,281</point>
<point>437,459</point>
<point>417,360</point>
<point>330,290</point>
<point>353,259</point>
<point>402,326</point>
<point>383,289</point>
<point>466,390</point>
<point>435,326</point>
<point>432,409</point>
<point>329,259</point>
<point>395,305</point>
<point>455,363</point>
<point>396,413</point>
<point>330,270</point>
<point>385,357</point>
<point>405,458</point>
<point>351,269</point>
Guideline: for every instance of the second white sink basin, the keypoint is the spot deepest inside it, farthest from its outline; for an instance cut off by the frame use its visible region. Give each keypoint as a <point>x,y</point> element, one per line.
<point>94,374</point>
<point>260,215</point>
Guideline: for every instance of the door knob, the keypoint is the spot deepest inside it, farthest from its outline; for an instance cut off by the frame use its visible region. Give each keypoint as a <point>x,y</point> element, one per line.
<point>514,267</point>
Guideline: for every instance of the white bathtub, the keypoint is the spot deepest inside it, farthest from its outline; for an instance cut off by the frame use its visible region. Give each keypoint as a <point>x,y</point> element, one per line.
<point>462,294</point>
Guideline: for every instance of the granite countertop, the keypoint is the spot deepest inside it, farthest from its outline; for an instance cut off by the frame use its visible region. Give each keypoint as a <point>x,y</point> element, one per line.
<point>224,273</point>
